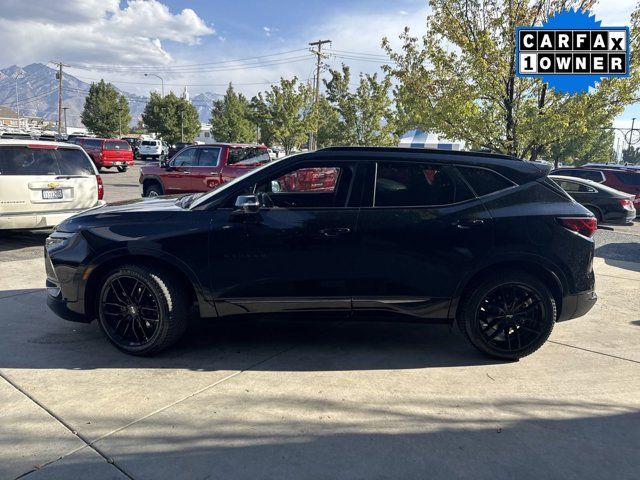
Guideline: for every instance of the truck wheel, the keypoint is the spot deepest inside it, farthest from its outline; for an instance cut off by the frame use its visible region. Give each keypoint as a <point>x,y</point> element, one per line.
<point>153,190</point>
<point>142,310</point>
<point>122,169</point>
<point>508,315</point>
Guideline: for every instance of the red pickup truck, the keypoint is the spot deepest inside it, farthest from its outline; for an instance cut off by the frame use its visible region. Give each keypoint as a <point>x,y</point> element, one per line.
<point>107,152</point>
<point>200,168</point>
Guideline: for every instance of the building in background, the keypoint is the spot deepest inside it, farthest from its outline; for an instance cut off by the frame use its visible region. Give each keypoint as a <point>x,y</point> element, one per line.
<point>205,136</point>
<point>420,139</point>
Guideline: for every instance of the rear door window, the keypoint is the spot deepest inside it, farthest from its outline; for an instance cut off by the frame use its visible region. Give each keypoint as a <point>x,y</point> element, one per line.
<point>574,187</point>
<point>38,161</point>
<point>417,184</point>
<point>484,181</point>
<point>209,156</point>
<point>92,143</point>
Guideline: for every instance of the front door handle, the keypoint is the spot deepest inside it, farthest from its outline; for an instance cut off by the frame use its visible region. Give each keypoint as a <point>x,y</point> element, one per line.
<point>467,224</point>
<point>335,232</point>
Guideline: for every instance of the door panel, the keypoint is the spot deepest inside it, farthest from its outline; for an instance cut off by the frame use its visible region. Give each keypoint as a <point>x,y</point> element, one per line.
<point>206,175</point>
<point>411,258</point>
<point>285,259</point>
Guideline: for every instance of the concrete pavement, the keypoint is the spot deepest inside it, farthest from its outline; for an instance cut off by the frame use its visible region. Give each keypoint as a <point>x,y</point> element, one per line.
<point>317,399</point>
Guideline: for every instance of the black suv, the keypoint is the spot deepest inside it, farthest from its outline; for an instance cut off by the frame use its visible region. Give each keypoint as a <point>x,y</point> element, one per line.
<point>484,240</point>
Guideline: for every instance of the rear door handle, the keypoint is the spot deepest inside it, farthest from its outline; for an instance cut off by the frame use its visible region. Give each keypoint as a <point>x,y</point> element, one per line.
<point>335,232</point>
<point>467,224</point>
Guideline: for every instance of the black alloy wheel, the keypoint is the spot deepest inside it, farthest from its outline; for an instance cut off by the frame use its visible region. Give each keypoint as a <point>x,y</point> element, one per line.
<point>508,316</point>
<point>142,310</point>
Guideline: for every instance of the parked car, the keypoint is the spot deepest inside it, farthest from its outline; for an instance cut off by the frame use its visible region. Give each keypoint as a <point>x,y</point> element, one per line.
<point>43,183</point>
<point>175,148</point>
<point>199,168</point>
<point>607,204</point>
<point>152,150</point>
<point>626,180</point>
<point>107,152</point>
<point>484,240</point>
<point>134,143</point>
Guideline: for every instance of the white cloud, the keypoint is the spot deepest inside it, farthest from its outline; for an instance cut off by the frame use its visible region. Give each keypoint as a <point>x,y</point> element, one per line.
<point>95,31</point>
<point>616,13</point>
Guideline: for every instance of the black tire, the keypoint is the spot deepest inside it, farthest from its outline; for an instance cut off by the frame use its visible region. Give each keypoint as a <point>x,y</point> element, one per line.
<point>129,322</point>
<point>122,169</point>
<point>596,213</point>
<point>517,333</point>
<point>153,190</point>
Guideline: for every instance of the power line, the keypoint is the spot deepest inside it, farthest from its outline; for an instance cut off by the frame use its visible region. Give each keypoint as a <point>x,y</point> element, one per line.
<point>319,58</point>
<point>178,67</point>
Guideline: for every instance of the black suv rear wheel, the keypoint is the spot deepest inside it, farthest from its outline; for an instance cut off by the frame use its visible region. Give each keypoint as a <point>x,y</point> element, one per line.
<point>508,315</point>
<point>142,310</point>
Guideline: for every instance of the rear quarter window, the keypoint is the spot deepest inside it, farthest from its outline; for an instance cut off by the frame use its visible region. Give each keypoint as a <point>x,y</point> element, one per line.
<point>34,161</point>
<point>484,181</point>
<point>247,155</point>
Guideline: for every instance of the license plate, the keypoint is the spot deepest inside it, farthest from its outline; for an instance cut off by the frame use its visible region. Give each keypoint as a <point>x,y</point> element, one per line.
<point>119,163</point>
<point>55,194</point>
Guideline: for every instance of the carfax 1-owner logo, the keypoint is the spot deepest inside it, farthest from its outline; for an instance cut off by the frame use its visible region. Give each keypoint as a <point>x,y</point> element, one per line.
<point>571,51</point>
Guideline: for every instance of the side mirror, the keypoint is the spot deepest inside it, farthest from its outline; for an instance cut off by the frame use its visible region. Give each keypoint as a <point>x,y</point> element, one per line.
<point>248,203</point>
<point>165,162</point>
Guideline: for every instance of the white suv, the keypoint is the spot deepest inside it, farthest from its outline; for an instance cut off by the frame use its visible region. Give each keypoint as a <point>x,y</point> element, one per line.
<point>152,150</point>
<point>43,183</point>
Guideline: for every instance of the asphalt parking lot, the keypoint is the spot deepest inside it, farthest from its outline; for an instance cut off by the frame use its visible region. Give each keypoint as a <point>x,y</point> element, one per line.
<point>317,399</point>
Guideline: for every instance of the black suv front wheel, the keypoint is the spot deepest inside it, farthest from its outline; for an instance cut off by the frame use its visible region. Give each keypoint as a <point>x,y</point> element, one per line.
<point>508,315</point>
<point>142,310</point>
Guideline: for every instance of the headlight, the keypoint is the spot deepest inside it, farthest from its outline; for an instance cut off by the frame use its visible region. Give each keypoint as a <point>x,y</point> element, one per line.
<point>57,238</point>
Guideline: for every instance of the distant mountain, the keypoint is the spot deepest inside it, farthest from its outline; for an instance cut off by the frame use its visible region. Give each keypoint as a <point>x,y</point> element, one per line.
<point>38,95</point>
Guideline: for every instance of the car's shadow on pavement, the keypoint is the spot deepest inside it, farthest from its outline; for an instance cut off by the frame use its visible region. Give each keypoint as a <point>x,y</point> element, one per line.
<point>618,255</point>
<point>34,338</point>
<point>22,239</point>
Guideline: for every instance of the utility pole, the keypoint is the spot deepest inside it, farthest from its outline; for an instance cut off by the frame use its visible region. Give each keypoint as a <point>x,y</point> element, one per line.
<point>318,53</point>
<point>66,132</point>
<point>19,74</point>
<point>59,75</point>
<point>633,122</point>
<point>182,125</point>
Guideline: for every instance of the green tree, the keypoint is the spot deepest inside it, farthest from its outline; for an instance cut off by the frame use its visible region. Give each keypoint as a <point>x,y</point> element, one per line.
<point>589,147</point>
<point>172,118</point>
<point>631,155</point>
<point>231,118</point>
<point>459,81</point>
<point>106,111</point>
<point>366,116</point>
<point>284,112</point>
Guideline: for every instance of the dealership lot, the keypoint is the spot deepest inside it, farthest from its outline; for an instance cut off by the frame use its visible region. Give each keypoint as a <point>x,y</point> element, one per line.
<point>317,399</point>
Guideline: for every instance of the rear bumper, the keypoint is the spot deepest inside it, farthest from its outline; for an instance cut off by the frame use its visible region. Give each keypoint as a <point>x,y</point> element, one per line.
<point>117,163</point>
<point>574,306</point>
<point>33,220</point>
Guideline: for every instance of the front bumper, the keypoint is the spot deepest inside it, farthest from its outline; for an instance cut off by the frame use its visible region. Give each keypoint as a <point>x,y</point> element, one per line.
<point>574,306</point>
<point>61,307</point>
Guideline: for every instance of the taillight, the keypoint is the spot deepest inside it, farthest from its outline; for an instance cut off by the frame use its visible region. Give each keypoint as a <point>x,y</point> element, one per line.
<point>585,226</point>
<point>100,187</point>
<point>626,203</point>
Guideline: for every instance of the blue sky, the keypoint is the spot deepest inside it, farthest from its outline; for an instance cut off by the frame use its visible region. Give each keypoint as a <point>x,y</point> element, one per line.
<point>151,35</point>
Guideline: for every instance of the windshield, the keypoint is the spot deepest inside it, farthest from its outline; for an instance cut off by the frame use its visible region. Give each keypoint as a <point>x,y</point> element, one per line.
<point>222,189</point>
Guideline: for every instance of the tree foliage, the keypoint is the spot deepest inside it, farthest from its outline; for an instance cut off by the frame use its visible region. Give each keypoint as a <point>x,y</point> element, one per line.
<point>631,155</point>
<point>231,118</point>
<point>459,81</point>
<point>365,117</point>
<point>106,111</point>
<point>284,112</point>
<point>170,116</point>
